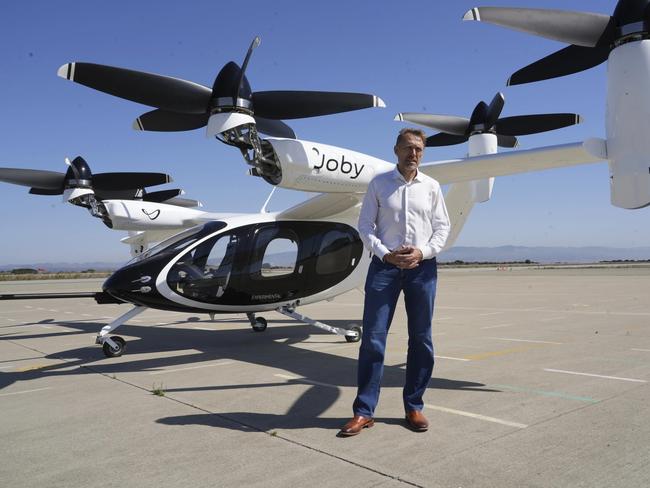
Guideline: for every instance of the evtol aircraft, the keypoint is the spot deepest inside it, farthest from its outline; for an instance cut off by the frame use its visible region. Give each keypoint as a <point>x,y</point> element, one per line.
<point>218,263</point>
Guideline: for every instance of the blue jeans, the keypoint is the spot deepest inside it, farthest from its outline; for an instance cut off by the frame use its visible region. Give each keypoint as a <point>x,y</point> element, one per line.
<point>383,286</point>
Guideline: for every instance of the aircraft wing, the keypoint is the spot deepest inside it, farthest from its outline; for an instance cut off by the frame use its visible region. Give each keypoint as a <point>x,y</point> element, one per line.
<point>480,167</point>
<point>323,206</point>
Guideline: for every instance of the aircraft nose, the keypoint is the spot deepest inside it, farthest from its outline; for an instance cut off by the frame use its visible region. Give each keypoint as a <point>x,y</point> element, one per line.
<point>129,285</point>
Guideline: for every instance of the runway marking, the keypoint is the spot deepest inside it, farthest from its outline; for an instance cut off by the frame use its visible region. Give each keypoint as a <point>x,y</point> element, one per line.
<point>25,391</point>
<point>547,393</point>
<point>497,326</point>
<point>201,328</point>
<point>489,313</point>
<point>224,363</point>
<point>578,312</point>
<point>438,319</point>
<point>503,352</point>
<point>476,416</point>
<point>318,348</point>
<point>453,359</point>
<point>304,380</point>
<point>552,319</point>
<point>642,350</point>
<point>595,375</point>
<point>524,340</point>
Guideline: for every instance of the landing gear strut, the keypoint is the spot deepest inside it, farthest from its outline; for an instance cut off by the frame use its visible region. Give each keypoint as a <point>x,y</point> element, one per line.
<point>353,334</point>
<point>114,346</point>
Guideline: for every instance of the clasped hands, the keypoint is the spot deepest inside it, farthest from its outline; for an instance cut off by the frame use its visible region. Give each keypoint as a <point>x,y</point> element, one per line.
<point>406,257</point>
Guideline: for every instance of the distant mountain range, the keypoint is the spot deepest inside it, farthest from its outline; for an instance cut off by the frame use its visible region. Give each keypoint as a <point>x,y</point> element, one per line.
<point>505,254</point>
<point>544,255</point>
<point>501,254</point>
<point>63,266</point>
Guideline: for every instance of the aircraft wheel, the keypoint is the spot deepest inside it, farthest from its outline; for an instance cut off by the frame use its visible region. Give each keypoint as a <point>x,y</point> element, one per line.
<point>260,324</point>
<point>109,352</point>
<point>354,338</point>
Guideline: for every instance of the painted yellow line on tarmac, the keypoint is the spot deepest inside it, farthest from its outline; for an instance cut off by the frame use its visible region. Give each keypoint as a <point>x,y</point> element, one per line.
<point>37,367</point>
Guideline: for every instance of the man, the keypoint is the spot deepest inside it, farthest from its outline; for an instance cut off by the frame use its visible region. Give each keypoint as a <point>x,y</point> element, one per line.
<point>404,223</point>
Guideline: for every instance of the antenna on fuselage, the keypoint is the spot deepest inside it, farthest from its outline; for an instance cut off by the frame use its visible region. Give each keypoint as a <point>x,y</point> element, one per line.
<point>268,199</point>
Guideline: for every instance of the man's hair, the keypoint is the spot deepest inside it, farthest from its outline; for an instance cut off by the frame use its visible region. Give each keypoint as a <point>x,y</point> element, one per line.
<point>412,131</point>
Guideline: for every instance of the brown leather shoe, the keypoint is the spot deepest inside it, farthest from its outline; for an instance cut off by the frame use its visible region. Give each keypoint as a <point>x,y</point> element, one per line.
<point>417,421</point>
<point>356,425</point>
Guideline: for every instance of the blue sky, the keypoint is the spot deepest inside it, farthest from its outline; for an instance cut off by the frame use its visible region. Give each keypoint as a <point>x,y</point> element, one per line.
<point>419,57</point>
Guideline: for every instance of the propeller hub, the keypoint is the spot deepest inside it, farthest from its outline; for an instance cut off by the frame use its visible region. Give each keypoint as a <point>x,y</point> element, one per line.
<point>229,104</point>
<point>72,183</point>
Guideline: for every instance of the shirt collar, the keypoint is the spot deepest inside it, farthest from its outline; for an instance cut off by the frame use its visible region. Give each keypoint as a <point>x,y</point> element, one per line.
<point>399,176</point>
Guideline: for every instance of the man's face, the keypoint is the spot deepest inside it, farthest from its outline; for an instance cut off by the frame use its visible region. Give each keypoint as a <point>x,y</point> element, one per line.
<point>409,153</point>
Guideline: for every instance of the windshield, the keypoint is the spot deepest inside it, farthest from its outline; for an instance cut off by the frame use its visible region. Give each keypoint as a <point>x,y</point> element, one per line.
<point>182,239</point>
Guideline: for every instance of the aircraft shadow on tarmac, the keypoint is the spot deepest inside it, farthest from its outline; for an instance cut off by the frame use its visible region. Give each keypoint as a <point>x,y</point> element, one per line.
<point>271,349</point>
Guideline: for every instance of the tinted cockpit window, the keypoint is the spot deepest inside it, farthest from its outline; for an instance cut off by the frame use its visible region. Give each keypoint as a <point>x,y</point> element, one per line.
<point>279,257</point>
<point>182,239</point>
<point>205,271</point>
<point>275,253</point>
<point>335,253</point>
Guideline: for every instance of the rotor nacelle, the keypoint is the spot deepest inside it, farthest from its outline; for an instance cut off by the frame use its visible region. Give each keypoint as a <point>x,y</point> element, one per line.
<point>315,167</point>
<point>141,215</point>
<point>628,124</point>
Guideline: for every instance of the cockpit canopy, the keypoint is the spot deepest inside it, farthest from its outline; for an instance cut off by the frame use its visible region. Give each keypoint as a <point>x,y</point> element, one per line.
<point>264,262</point>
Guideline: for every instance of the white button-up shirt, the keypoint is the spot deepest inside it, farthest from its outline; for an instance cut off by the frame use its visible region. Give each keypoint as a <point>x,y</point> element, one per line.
<point>398,213</point>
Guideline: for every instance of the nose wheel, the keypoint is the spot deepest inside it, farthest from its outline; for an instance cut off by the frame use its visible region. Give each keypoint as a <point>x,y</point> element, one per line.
<point>257,323</point>
<point>114,347</point>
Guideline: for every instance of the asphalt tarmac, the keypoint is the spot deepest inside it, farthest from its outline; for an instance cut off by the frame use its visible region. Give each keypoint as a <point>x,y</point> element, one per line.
<point>541,380</point>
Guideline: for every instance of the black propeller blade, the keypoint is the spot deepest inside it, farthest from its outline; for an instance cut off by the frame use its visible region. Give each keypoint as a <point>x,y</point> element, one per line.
<point>170,197</point>
<point>150,89</point>
<point>160,120</point>
<point>444,139</point>
<point>303,104</point>
<point>522,125</point>
<point>79,175</point>
<point>486,119</point>
<point>162,195</point>
<point>592,36</point>
<point>39,179</point>
<point>124,181</point>
<point>580,28</point>
<point>165,121</point>
<point>184,105</point>
<point>571,59</point>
